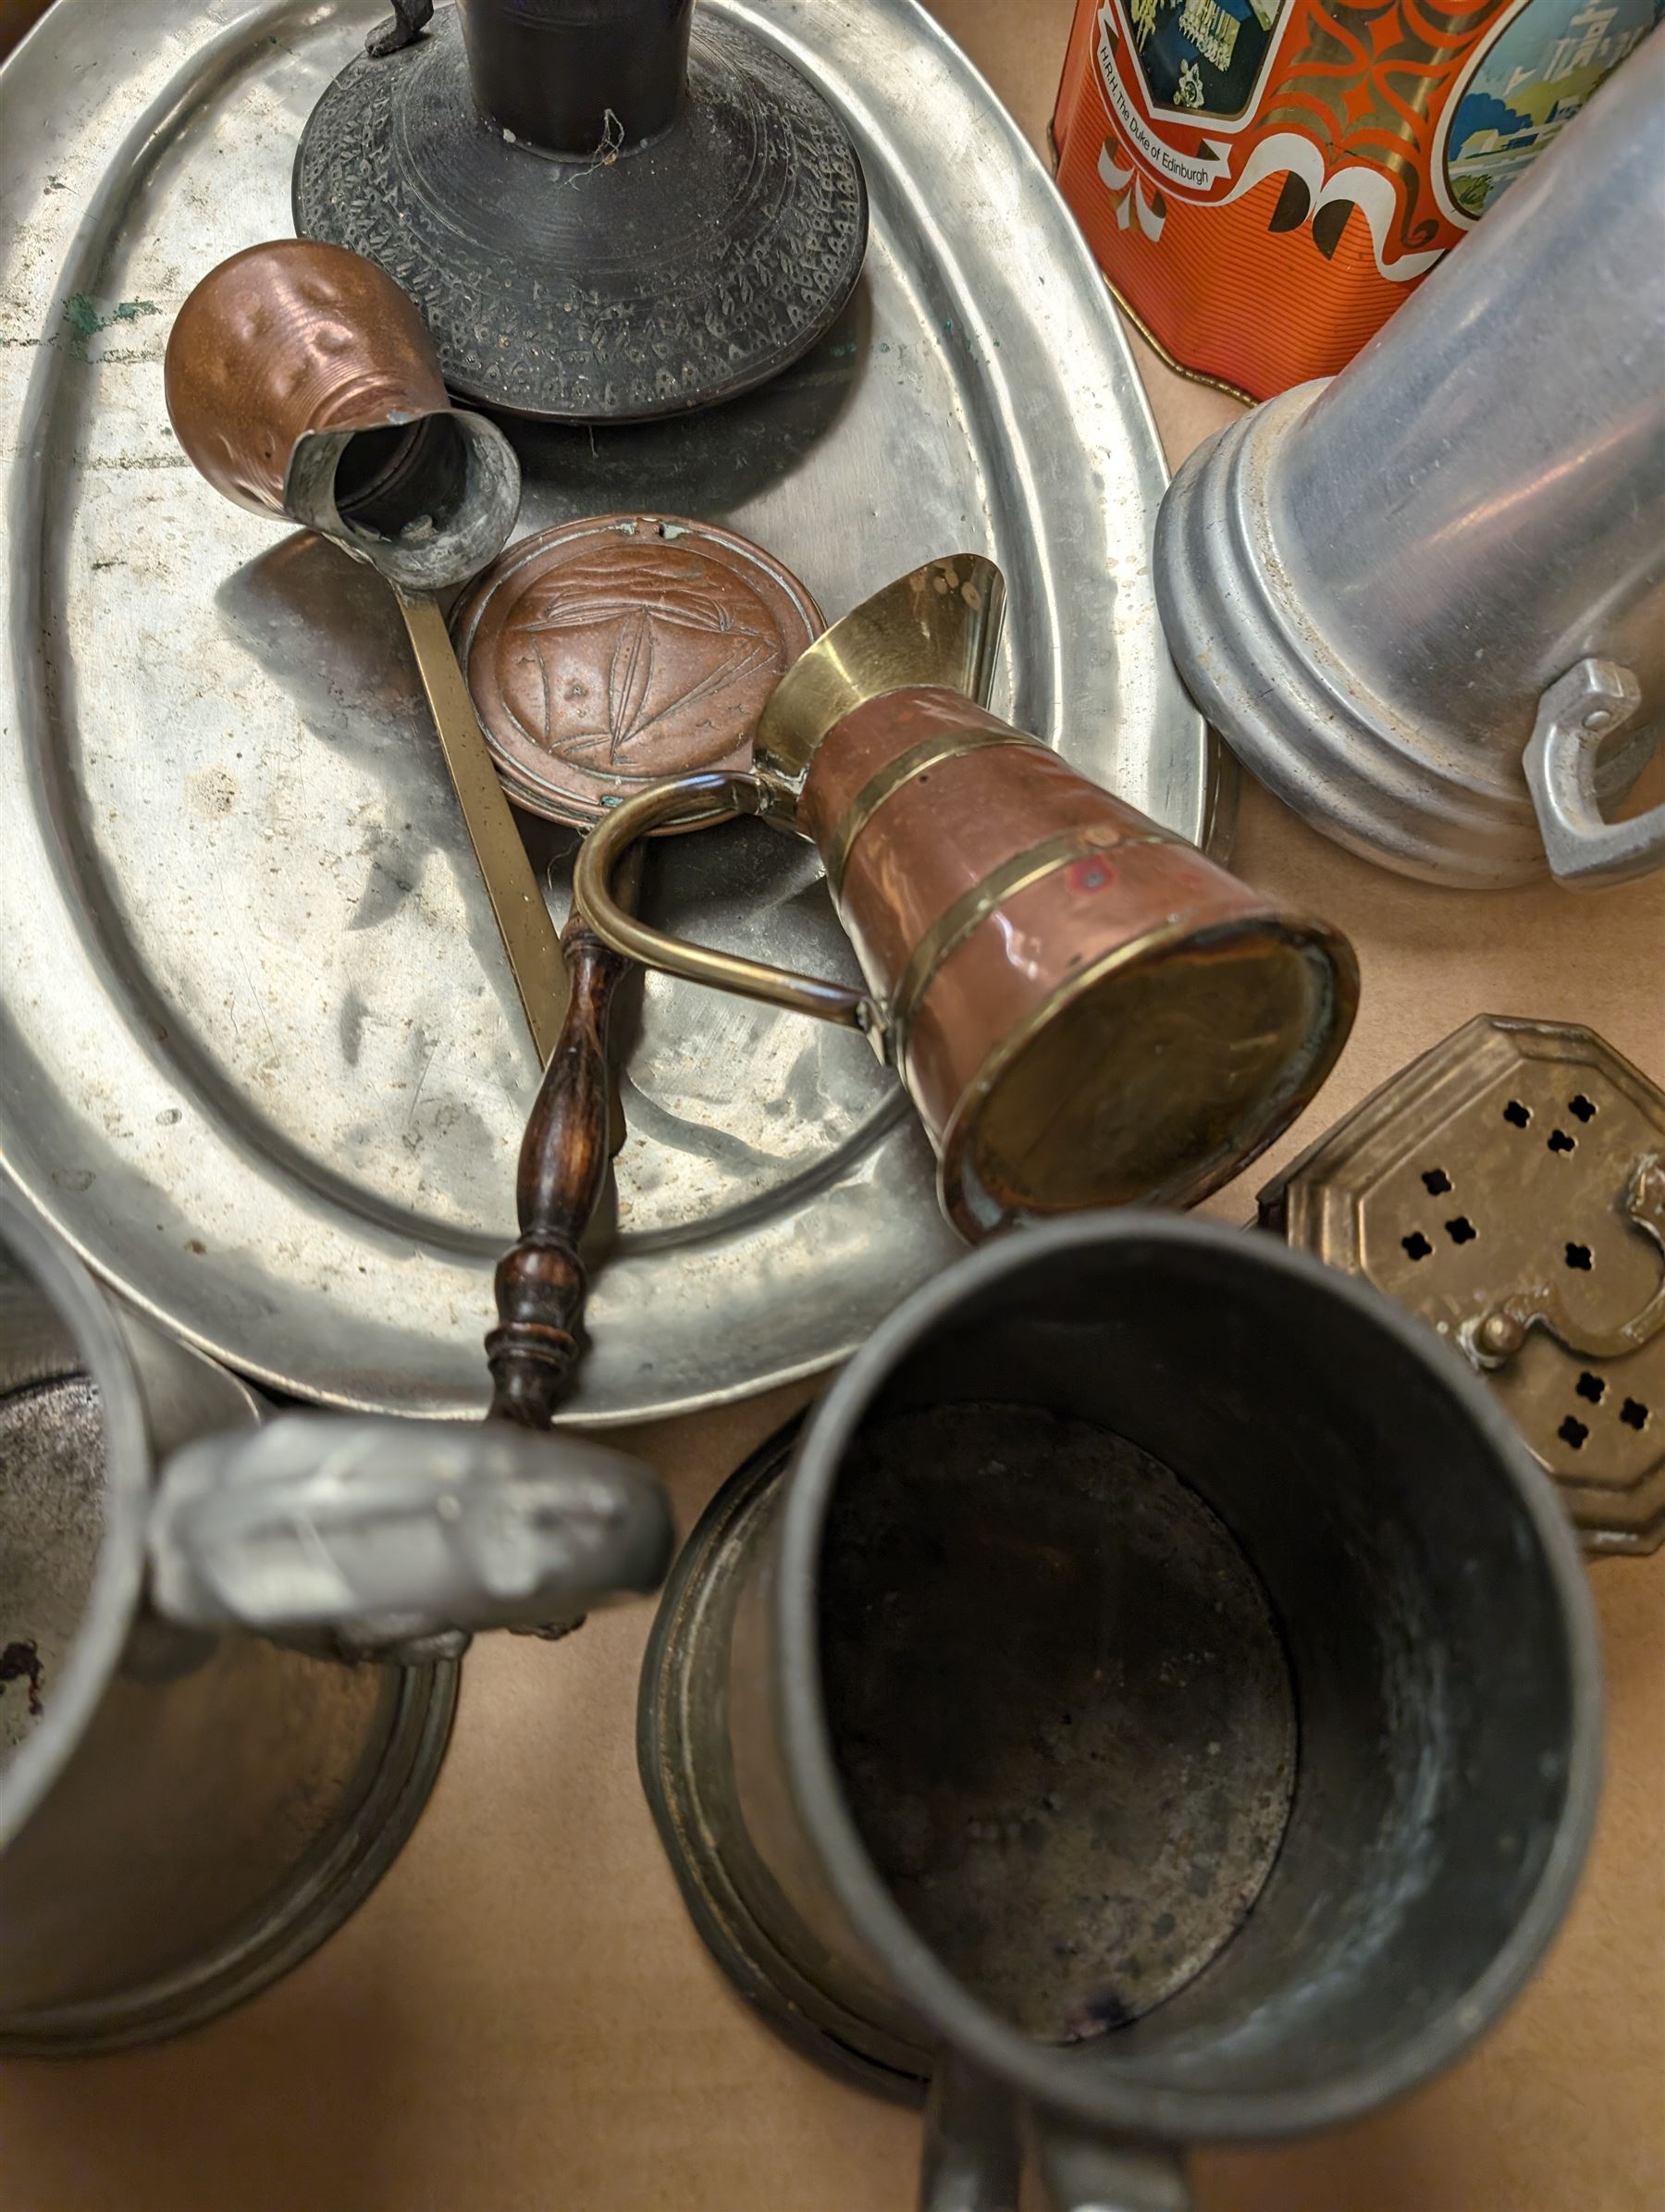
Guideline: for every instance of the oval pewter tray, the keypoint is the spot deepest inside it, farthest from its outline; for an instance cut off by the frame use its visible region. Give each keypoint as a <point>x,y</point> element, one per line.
<point>260,1059</point>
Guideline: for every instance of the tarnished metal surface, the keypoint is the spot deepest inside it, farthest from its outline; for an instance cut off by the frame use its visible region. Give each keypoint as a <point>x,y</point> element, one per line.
<point>1067,1734</point>
<point>1085,1009</point>
<point>608,243</point>
<point>52,1456</point>
<point>692,1796</point>
<point>944,1686</point>
<point>259,1055</point>
<point>940,624</point>
<point>1059,1706</point>
<point>303,383</point>
<point>181,1818</point>
<point>528,936</point>
<point>285,341</point>
<point>1508,1187</point>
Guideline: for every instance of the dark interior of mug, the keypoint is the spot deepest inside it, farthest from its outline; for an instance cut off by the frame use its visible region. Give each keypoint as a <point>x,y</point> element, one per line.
<point>1214,1708</point>
<point>51,1502</point>
<point>1061,1707</point>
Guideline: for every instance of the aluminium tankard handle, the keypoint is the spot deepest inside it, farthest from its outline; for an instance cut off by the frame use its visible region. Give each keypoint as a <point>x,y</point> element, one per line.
<point>1575,716</point>
<point>399,1538</point>
<point>711,795</point>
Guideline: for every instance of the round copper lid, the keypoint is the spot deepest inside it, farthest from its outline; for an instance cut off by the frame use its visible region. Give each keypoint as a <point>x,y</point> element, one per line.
<point>607,653</point>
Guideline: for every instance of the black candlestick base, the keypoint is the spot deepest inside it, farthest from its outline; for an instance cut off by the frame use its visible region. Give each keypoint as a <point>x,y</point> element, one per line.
<point>615,286</point>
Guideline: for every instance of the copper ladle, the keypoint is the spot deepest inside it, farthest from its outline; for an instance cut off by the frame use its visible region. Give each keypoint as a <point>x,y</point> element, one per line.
<point>303,383</point>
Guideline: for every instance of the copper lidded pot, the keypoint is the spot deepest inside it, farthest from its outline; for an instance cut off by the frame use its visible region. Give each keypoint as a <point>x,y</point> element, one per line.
<point>1085,1009</point>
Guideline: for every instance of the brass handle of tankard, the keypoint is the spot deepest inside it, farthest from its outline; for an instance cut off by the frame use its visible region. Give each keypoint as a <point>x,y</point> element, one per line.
<point>711,794</point>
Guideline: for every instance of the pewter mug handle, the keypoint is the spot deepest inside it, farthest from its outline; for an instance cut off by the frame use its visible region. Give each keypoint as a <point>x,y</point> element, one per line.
<point>712,795</point>
<point>1577,713</point>
<point>398,1540</point>
<point>971,2160</point>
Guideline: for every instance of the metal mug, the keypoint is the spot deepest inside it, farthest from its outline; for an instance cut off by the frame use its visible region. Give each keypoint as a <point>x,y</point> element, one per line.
<point>1158,1701</point>
<point>1424,600</point>
<point>1084,1008</point>
<point>194,1790</point>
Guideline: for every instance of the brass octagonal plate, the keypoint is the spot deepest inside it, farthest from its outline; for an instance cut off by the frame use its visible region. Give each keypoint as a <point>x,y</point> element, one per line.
<point>1510,1188</point>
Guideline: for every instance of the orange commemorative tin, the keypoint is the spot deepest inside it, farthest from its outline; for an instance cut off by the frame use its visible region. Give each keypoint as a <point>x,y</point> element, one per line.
<point>1263,181</point>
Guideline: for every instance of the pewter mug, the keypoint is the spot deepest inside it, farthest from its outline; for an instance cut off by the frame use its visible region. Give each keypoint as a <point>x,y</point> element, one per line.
<point>1158,1702</point>
<point>1085,1009</point>
<point>194,1789</point>
<point>1424,600</point>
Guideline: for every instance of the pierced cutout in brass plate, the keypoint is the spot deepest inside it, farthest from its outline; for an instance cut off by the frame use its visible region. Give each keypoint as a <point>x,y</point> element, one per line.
<point>1510,1188</point>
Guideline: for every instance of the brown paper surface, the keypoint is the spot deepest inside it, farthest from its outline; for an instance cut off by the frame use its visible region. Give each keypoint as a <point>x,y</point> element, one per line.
<point>522,2019</point>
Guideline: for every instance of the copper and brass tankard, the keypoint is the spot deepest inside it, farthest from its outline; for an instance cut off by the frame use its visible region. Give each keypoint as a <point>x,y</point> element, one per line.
<point>1085,1009</point>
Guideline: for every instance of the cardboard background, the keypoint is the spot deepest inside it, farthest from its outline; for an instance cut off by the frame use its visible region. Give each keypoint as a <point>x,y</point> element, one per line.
<point>520,2019</point>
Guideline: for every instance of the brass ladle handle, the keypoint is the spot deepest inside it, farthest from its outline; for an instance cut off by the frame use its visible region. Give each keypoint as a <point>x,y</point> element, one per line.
<point>711,794</point>
<point>517,903</point>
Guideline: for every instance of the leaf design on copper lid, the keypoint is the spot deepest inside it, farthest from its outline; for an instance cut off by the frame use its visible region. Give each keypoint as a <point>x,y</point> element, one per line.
<point>609,651</point>
<point>663,642</point>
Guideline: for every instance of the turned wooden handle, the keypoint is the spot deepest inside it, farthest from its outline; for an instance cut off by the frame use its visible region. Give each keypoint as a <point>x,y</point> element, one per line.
<point>541,1282</point>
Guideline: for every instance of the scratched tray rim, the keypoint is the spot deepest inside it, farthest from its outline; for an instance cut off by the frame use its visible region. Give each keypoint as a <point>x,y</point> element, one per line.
<point>82,102</point>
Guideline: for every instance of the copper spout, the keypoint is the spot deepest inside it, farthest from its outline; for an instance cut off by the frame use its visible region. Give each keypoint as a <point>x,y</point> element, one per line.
<point>938,625</point>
